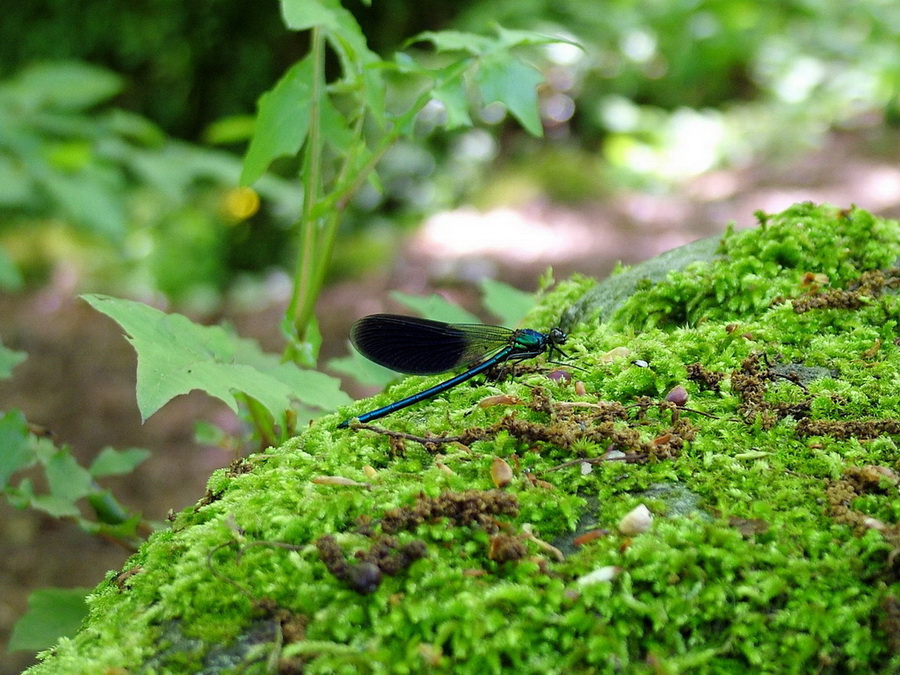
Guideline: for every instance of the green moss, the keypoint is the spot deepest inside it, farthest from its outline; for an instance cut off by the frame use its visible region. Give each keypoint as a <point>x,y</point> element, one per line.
<point>760,557</point>
<point>760,265</point>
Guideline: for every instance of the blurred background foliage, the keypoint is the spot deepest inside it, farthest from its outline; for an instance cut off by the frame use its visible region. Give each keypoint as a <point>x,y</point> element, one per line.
<point>122,123</point>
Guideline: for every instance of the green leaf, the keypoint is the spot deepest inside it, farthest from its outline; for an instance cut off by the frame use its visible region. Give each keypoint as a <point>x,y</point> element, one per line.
<point>134,128</point>
<point>55,506</point>
<point>9,359</point>
<point>232,129</point>
<point>206,433</point>
<point>15,450</point>
<point>108,509</point>
<point>118,527</point>
<point>43,448</point>
<point>176,356</point>
<point>306,14</point>
<point>70,85</point>
<point>362,370</point>
<point>454,41</point>
<point>305,352</point>
<point>111,462</point>
<point>343,33</point>
<point>479,45</point>
<point>503,78</point>
<point>52,613</point>
<point>435,307</point>
<point>282,122</point>
<point>307,386</point>
<point>359,64</point>
<point>453,95</point>
<point>67,479</point>
<point>86,199</point>
<point>278,131</point>
<point>509,304</point>
<point>10,278</point>
<point>20,496</point>
<point>335,129</point>
<point>16,183</point>
<point>509,38</point>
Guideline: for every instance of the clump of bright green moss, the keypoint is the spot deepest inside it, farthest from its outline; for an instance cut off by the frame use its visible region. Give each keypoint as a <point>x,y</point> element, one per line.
<point>785,558</point>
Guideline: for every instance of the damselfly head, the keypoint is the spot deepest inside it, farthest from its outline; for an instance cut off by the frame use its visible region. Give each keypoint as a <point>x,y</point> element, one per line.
<point>557,336</point>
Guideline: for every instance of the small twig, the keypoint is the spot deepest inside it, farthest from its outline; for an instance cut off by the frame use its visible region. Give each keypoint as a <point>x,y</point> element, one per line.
<point>209,563</point>
<point>529,533</point>
<point>791,377</point>
<point>581,404</point>
<point>706,414</point>
<point>402,435</point>
<point>685,409</point>
<point>633,457</point>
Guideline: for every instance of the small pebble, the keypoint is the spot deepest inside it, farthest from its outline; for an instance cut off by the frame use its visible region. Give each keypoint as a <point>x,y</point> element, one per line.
<point>636,521</point>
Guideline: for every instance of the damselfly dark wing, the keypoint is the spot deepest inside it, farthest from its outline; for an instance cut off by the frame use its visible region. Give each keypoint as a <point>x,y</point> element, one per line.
<point>408,344</point>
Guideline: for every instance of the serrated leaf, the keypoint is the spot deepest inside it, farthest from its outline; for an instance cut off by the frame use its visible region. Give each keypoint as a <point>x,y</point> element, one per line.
<point>112,462</point>
<point>54,506</point>
<point>454,41</point>
<point>282,122</point>
<point>360,65</point>
<point>435,307</point>
<point>43,448</point>
<point>509,304</point>
<point>453,95</point>
<point>20,496</point>
<point>503,78</point>
<point>52,613</point>
<point>15,449</point>
<point>67,479</point>
<point>341,28</point>
<point>176,356</point>
<point>9,359</point>
<point>509,38</point>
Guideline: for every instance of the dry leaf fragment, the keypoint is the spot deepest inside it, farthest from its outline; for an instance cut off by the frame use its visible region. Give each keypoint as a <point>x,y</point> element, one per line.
<point>501,472</point>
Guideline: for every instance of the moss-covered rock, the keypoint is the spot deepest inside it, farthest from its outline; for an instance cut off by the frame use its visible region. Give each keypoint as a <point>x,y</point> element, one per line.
<point>773,486</point>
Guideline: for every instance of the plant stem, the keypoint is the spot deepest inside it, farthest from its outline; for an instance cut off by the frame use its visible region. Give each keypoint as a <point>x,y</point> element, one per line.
<point>305,290</point>
<point>322,214</point>
<point>262,422</point>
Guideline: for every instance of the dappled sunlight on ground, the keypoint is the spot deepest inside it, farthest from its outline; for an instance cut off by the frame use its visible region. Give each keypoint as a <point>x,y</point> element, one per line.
<point>520,241</point>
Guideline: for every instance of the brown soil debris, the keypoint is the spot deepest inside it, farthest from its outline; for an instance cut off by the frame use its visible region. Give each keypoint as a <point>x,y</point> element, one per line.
<point>843,429</point>
<point>472,507</point>
<point>870,285</point>
<point>386,556</point>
